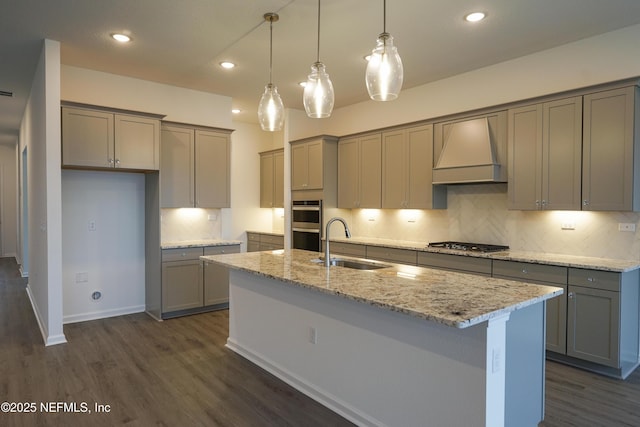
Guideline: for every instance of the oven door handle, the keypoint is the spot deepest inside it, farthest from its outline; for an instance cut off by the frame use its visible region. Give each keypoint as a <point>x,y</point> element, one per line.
<point>306,230</point>
<point>306,208</point>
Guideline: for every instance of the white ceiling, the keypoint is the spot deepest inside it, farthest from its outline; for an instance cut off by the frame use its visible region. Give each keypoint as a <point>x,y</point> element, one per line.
<point>181,42</point>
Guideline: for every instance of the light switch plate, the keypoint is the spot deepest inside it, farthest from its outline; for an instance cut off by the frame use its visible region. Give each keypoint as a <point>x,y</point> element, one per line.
<point>626,226</point>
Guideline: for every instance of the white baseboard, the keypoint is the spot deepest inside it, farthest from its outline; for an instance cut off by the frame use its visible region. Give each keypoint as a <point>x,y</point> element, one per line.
<point>95,315</point>
<point>326,399</point>
<point>48,340</point>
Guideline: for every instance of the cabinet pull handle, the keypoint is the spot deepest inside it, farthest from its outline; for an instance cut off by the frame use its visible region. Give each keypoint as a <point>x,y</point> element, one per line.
<point>110,160</point>
<point>524,270</point>
<point>591,279</point>
<point>537,203</point>
<point>585,203</point>
<point>570,294</point>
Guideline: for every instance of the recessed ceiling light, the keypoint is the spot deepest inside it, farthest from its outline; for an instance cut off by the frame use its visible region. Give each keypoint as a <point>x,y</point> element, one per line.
<point>122,38</point>
<point>475,16</point>
<point>227,64</point>
<point>236,111</point>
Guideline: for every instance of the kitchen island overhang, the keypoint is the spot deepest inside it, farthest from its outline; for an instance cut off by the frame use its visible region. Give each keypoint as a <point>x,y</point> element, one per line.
<point>380,348</point>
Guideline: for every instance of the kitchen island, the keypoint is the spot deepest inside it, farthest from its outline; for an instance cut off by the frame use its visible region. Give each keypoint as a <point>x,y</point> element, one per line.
<point>400,345</point>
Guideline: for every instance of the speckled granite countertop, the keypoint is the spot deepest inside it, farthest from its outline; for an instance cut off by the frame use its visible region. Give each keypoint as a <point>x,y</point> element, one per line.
<point>604,264</point>
<point>454,299</point>
<point>198,243</point>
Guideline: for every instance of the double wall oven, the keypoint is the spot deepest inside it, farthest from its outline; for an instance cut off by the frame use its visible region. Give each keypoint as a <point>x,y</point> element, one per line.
<point>306,225</point>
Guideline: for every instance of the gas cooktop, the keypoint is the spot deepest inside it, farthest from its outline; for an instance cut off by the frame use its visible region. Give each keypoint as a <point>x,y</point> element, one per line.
<point>465,246</point>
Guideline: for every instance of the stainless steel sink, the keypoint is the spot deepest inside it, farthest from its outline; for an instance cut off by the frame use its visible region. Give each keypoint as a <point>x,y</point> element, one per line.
<point>356,264</point>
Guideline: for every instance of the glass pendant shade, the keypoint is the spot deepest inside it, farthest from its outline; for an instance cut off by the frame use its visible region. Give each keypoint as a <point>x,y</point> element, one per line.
<point>318,93</point>
<point>271,109</point>
<point>384,70</point>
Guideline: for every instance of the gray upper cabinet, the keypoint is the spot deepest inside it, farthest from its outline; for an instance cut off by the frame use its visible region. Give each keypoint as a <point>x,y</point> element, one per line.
<point>545,154</point>
<point>611,154</point>
<point>359,172</point>
<point>272,179</point>
<point>407,159</point>
<point>103,139</point>
<point>195,167</point>
<point>314,169</point>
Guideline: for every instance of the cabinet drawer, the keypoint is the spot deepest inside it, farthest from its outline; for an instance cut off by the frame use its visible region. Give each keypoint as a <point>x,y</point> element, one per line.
<point>349,249</point>
<point>455,262</point>
<point>270,247</point>
<point>272,240</point>
<point>253,237</point>
<point>530,272</point>
<point>224,249</point>
<point>253,246</point>
<point>402,256</point>
<point>181,254</point>
<point>605,280</point>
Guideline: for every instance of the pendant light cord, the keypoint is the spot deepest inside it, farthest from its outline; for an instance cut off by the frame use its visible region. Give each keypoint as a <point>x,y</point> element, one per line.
<point>318,50</point>
<point>384,16</point>
<point>270,49</point>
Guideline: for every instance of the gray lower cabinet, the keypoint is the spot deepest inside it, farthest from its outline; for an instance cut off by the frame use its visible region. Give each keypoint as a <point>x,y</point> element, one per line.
<point>556,308</point>
<point>189,285</point>
<point>257,242</point>
<point>349,249</point>
<point>181,279</point>
<point>603,318</point>
<point>481,266</point>
<point>402,256</point>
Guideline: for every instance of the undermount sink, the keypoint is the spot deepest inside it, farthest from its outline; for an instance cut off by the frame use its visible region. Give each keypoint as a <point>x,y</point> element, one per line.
<point>355,264</point>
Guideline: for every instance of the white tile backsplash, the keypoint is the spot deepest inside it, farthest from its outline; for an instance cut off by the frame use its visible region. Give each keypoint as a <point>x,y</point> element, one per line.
<point>479,213</point>
<point>185,224</point>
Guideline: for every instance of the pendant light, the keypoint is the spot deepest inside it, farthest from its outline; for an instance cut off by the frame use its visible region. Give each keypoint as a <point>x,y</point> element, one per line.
<point>384,69</point>
<point>318,93</point>
<point>271,109</point>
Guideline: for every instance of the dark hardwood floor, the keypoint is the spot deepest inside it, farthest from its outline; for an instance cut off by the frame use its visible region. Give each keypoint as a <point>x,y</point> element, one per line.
<point>178,373</point>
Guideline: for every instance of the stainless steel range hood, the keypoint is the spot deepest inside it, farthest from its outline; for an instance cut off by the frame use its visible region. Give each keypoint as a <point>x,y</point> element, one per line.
<point>472,151</point>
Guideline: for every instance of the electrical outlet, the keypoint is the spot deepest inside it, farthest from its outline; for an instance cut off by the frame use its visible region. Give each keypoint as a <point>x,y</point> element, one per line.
<point>568,226</point>
<point>313,335</point>
<point>82,277</point>
<point>212,217</point>
<point>626,226</point>
<point>92,225</point>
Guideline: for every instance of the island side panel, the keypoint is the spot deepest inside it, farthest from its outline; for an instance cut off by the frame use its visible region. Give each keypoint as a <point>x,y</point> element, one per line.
<point>373,366</point>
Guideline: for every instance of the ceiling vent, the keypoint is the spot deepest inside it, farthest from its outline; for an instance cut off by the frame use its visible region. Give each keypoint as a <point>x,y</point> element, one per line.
<point>6,93</point>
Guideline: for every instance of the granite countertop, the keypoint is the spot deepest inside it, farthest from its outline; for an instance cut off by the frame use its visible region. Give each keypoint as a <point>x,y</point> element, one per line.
<point>198,243</point>
<point>593,263</point>
<point>455,299</point>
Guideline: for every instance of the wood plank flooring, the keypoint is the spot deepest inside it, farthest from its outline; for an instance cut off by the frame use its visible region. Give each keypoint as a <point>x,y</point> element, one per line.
<point>178,373</point>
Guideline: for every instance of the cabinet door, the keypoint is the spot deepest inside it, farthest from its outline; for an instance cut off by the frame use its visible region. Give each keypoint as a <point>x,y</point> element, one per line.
<point>216,277</point>
<point>137,142</point>
<point>608,150</point>
<point>394,170</point>
<point>177,168</point>
<point>299,167</point>
<point>181,285</point>
<point>420,192</point>
<point>525,157</point>
<point>266,180</point>
<point>562,154</point>
<point>87,138</point>
<point>556,336</point>
<point>348,176</point>
<point>370,172</point>
<point>315,165</point>
<point>212,162</point>
<point>593,325</point>
<point>278,179</point>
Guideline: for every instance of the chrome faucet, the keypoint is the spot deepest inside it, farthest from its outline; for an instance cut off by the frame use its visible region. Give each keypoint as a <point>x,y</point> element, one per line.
<point>347,233</point>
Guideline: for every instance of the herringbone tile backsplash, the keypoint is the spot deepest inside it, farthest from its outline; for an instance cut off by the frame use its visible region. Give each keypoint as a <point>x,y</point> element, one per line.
<point>478,213</point>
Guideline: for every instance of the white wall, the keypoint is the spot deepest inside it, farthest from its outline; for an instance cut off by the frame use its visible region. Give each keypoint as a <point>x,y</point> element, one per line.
<point>9,199</point>
<point>178,104</point>
<point>40,132</point>
<point>113,256</point>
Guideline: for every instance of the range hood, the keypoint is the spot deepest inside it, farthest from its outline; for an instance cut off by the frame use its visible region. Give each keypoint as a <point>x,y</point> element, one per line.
<point>471,152</point>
